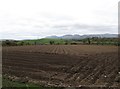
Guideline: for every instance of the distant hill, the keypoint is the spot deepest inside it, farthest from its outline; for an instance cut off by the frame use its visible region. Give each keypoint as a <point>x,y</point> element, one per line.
<point>99,39</point>
<point>76,36</point>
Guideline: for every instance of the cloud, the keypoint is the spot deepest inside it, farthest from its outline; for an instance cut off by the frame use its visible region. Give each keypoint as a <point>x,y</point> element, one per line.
<point>28,19</point>
<point>84,28</point>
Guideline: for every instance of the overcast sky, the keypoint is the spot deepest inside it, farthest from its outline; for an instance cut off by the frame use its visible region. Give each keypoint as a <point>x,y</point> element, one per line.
<point>32,19</point>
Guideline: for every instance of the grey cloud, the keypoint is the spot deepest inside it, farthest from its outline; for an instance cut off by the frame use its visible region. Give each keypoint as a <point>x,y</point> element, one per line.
<point>86,27</point>
<point>28,28</point>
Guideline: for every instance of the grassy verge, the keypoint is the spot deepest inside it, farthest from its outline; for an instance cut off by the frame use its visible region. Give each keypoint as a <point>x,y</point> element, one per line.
<point>8,84</point>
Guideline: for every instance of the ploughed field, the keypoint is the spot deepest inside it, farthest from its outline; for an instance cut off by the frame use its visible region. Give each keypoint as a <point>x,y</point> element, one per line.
<point>63,65</point>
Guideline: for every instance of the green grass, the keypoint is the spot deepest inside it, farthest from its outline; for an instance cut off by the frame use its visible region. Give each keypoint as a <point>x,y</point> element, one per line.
<point>0,80</point>
<point>8,84</point>
<point>43,41</point>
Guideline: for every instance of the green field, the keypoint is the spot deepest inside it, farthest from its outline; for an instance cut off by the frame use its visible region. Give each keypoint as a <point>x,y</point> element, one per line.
<point>45,41</point>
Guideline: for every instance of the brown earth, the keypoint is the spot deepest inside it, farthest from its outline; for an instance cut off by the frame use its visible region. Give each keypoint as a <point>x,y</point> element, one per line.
<point>63,65</point>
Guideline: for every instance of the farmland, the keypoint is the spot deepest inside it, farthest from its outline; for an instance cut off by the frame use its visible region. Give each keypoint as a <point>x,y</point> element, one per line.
<point>63,65</point>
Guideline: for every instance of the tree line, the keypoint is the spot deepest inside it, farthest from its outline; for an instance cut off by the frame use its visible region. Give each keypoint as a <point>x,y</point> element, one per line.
<point>86,41</point>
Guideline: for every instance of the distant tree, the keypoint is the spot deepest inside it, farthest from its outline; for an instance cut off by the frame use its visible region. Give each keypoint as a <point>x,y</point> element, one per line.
<point>57,43</point>
<point>52,42</point>
<point>89,42</point>
<point>27,43</point>
<point>66,42</point>
<point>84,42</point>
<point>9,43</point>
<point>22,43</point>
<point>35,43</point>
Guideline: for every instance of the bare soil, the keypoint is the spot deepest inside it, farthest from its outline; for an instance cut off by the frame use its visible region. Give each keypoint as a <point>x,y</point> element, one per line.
<point>63,65</point>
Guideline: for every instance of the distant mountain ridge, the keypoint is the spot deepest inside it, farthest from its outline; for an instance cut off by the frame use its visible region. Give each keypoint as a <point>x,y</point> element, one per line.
<point>77,36</point>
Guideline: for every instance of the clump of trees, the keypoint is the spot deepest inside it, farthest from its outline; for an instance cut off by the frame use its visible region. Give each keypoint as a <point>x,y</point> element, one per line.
<point>9,43</point>
<point>97,41</point>
<point>14,43</point>
<point>52,42</point>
